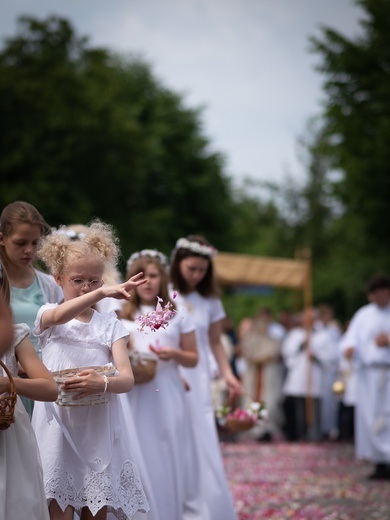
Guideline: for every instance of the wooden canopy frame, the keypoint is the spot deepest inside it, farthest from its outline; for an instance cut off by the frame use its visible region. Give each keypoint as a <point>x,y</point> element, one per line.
<point>237,269</point>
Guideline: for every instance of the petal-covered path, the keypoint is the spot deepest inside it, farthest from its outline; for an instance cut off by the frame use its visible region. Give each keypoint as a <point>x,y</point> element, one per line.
<point>305,481</point>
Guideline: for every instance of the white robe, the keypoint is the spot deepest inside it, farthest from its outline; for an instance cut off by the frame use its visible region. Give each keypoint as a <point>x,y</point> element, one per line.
<point>160,418</point>
<point>372,409</point>
<point>305,377</point>
<point>212,500</point>
<point>329,401</point>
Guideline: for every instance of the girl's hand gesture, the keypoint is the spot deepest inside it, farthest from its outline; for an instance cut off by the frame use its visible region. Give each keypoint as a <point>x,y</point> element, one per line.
<point>121,291</point>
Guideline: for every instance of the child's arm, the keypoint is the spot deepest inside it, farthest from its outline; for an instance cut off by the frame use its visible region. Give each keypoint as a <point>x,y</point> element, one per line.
<point>40,384</point>
<point>70,309</point>
<point>234,385</point>
<point>90,382</point>
<point>186,355</point>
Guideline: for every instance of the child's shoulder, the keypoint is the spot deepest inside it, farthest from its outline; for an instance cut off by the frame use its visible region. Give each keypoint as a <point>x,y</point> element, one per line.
<point>21,330</point>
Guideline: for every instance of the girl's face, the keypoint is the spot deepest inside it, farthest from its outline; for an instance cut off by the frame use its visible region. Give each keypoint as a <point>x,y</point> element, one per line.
<point>149,291</point>
<point>21,245</point>
<point>81,276</point>
<point>193,269</point>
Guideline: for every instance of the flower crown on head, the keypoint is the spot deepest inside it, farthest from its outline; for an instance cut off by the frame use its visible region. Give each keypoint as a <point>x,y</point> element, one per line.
<point>152,253</point>
<point>195,247</point>
<point>70,233</point>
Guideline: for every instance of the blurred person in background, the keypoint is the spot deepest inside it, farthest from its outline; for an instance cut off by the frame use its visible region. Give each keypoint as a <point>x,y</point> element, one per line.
<point>367,341</point>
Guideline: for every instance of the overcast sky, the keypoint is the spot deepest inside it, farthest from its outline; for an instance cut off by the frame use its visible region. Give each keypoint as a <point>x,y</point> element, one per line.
<point>245,61</point>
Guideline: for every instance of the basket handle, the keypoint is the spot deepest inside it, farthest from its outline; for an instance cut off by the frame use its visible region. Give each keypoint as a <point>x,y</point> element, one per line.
<point>11,379</point>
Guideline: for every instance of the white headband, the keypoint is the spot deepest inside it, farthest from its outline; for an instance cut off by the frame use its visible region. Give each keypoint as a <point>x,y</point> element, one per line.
<point>152,253</point>
<point>195,247</point>
<point>70,233</point>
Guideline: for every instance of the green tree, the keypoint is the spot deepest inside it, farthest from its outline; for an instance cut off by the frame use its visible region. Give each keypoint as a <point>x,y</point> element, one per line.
<point>89,133</point>
<point>357,129</point>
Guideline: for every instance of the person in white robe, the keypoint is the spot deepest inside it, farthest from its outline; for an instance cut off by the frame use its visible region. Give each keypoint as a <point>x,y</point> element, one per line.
<point>347,374</point>
<point>306,351</point>
<point>330,403</point>
<point>367,338</point>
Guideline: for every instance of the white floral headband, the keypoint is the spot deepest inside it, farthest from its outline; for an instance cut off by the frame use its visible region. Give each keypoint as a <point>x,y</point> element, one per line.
<point>70,233</point>
<point>152,253</point>
<point>195,247</point>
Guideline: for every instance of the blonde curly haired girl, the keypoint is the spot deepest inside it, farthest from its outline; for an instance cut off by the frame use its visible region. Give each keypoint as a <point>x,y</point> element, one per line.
<point>73,334</point>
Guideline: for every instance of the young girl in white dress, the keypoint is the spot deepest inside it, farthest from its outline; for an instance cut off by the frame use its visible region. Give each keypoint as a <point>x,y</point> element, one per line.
<point>86,452</point>
<point>21,488</point>
<point>159,405</point>
<point>192,276</point>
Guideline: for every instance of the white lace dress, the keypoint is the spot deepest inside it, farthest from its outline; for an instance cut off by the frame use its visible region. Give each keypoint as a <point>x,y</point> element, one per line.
<point>21,482</point>
<point>86,450</point>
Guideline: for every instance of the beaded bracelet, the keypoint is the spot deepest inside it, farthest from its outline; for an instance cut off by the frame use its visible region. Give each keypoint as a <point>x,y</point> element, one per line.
<point>106,381</point>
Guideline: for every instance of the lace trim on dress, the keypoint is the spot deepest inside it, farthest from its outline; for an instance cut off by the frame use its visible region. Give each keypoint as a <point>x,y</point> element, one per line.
<point>122,494</point>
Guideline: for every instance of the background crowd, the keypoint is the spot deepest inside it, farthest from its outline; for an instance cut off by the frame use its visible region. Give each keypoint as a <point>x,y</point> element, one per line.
<point>321,379</point>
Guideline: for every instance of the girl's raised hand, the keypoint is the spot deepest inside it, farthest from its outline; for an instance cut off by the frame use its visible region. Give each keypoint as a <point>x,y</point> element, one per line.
<point>121,291</point>
<point>135,281</point>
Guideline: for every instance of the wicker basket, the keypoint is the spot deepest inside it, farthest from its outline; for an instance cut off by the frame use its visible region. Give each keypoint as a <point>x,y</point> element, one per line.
<point>66,398</point>
<point>239,425</point>
<point>144,366</point>
<point>7,402</point>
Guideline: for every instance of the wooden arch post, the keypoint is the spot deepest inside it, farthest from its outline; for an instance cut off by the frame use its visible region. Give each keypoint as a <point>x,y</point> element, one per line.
<point>308,304</point>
